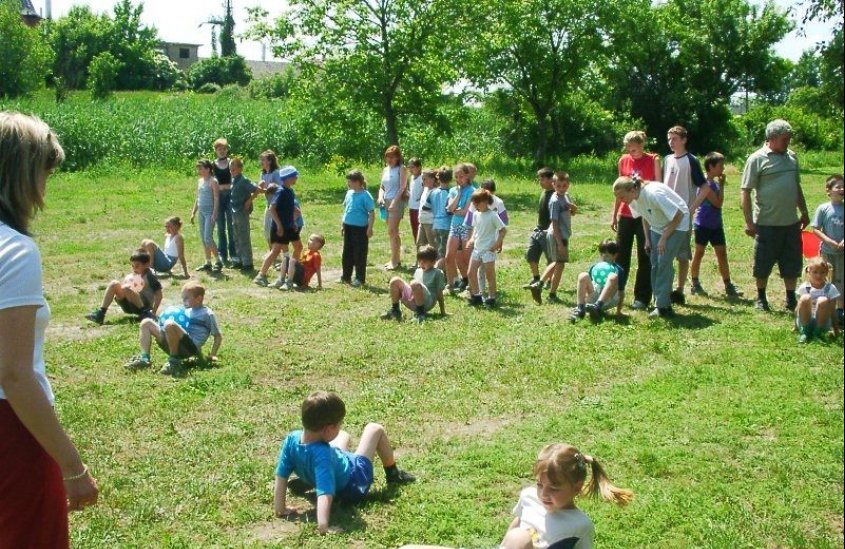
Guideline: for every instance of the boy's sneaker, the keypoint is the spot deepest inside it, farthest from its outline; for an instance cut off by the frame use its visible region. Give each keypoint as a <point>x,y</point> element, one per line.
<point>490,302</point>
<point>278,284</point>
<point>790,304</point>
<point>731,291</point>
<point>217,266</point>
<point>662,312</point>
<point>97,317</point>
<point>137,363</point>
<point>530,284</point>
<point>356,283</point>
<point>398,476</point>
<point>173,367</point>
<point>576,315</point>
<point>596,314</point>
<point>697,289</point>
<point>536,293</point>
<point>762,305</point>
<point>392,314</point>
<point>677,297</point>
<point>204,267</point>
<point>638,305</point>
<point>286,286</point>
<point>553,298</point>
<point>261,280</point>
<point>475,300</point>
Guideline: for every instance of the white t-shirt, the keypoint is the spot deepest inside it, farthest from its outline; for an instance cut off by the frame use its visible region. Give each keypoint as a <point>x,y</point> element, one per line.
<point>828,290</point>
<point>20,285</point>
<point>415,193</point>
<point>497,206</point>
<point>486,226</point>
<point>426,214</point>
<point>659,204</point>
<point>547,528</point>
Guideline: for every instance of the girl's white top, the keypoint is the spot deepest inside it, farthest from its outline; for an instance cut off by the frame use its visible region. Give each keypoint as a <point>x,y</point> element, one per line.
<point>390,181</point>
<point>170,248</point>
<point>415,192</point>
<point>20,286</point>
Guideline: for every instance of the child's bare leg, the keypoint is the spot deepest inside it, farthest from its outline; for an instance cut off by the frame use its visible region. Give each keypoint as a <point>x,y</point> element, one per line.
<point>805,310</point>
<point>722,260</point>
<point>823,309</point>
<point>173,333</point>
<point>271,256</point>
<point>609,289</point>
<point>451,258</point>
<point>473,276</point>
<point>341,441</point>
<point>697,256</point>
<point>149,329</point>
<point>374,441</point>
<point>490,271</point>
<point>548,271</point>
<point>517,538</point>
<point>683,271</point>
<point>558,271</point>
<point>418,290</point>
<point>585,288</point>
<point>396,287</point>
<point>291,266</point>
<point>535,269</point>
<point>463,259</point>
<point>113,290</point>
<point>149,246</point>
<point>132,297</point>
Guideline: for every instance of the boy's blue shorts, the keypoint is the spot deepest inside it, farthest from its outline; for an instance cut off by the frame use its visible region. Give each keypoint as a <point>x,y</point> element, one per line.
<point>360,479</point>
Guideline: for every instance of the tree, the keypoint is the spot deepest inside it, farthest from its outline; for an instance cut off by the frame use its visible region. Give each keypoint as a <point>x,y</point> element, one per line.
<point>387,57</point>
<point>103,73</point>
<point>220,71</point>
<point>77,38</point>
<point>24,57</point>
<point>228,48</point>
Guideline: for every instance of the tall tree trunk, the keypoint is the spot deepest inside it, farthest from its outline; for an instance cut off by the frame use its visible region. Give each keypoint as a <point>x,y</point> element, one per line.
<point>542,137</point>
<point>390,121</point>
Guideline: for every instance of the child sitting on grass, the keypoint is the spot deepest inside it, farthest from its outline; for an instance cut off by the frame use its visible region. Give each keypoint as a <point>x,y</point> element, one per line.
<point>709,228</point>
<point>828,226</point>
<point>139,293</point>
<point>546,515</point>
<point>177,341</point>
<point>602,287</point>
<point>816,299</point>
<point>309,264</point>
<point>318,454</point>
<point>420,295</point>
<point>164,260</point>
<point>486,241</point>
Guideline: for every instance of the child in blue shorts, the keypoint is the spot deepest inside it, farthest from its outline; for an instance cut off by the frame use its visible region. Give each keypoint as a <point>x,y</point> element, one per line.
<point>318,455</point>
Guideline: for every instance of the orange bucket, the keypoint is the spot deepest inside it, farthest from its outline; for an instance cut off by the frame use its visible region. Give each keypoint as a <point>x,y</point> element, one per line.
<point>810,244</point>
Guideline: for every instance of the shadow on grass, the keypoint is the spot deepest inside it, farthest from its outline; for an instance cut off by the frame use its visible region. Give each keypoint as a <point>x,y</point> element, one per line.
<point>716,307</point>
<point>346,515</point>
<point>693,321</point>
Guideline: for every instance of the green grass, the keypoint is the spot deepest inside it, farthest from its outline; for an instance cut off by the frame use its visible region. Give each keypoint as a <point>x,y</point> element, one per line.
<point>729,433</point>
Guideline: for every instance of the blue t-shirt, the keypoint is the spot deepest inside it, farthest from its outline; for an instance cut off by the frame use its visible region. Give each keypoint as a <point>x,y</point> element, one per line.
<point>319,464</point>
<point>828,219</point>
<point>202,325</point>
<point>269,178</point>
<point>357,206</point>
<point>466,193</point>
<point>284,202</point>
<point>439,198</point>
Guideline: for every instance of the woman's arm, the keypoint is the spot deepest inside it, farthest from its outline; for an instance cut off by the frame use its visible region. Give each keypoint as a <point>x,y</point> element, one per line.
<point>403,184</point>
<point>30,404</point>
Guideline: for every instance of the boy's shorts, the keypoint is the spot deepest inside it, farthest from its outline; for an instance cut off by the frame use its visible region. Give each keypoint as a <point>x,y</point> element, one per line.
<point>442,236</point>
<point>162,262</point>
<point>360,479</point>
<point>553,253</point>
<point>187,347</point>
<point>486,256</point>
<point>128,307</point>
<point>685,250</point>
<point>706,235</point>
<point>607,305</point>
<point>298,273</point>
<point>408,298</point>
<point>536,247</point>
<point>837,275</point>
<point>290,235</point>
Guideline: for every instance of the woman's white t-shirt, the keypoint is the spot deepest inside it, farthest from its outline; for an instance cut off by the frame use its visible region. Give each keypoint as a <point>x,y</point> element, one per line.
<point>390,181</point>
<point>20,286</point>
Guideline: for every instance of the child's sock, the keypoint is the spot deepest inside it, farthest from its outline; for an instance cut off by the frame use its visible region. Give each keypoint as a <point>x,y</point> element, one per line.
<point>145,356</point>
<point>395,306</point>
<point>465,280</point>
<point>761,294</point>
<point>727,282</point>
<point>535,278</point>
<point>790,295</point>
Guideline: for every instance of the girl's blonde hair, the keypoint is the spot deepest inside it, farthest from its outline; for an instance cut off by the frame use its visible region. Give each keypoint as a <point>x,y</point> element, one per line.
<point>635,136</point>
<point>28,151</point>
<point>818,262</point>
<point>175,221</point>
<point>566,464</point>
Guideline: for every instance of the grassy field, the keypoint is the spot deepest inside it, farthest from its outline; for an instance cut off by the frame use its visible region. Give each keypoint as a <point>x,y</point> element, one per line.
<point>729,433</point>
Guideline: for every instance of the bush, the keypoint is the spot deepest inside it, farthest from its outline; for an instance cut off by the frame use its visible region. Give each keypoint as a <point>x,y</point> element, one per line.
<point>209,87</point>
<point>811,131</point>
<point>220,71</point>
<point>102,75</point>
<point>24,57</point>
<point>276,86</point>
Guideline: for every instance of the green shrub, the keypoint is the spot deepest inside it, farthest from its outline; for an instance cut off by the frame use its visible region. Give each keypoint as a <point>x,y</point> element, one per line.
<point>102,75</point>
<point>220,71</point>
<point>209,87</point>
<point>811,131</point>
<point>276,86</point>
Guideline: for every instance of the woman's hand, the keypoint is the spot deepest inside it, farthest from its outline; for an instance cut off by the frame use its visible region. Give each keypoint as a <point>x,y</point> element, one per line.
<point>81,490</point>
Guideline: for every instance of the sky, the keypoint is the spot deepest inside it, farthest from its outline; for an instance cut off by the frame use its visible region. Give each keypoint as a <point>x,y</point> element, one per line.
<point>179,20</point>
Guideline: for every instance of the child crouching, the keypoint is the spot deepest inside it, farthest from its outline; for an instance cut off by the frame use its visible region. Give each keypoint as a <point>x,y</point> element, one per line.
<point>423,291</point>
<point>816,300</point>
<point>602,287</point>
<point>318,455</point>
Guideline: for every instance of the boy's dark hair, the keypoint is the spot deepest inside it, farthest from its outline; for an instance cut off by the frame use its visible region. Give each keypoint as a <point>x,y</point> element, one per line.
<point>609,247</point>
<point>481,195</point>
<point>140,255</point>
<point>415,162</point>
<point>489,184</point>
<point>427,253</point>
<point>680,131</point>
<point>546,173</point>
<point>444,175</point>
<point>205,163</point>
<point>713,159</point>
<point>358,177</point>
<point>828,184</point>
<point>321,409</point>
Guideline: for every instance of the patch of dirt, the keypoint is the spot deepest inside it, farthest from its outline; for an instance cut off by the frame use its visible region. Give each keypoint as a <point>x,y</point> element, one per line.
<point>479,428</point>
<point>70,332</point>
<point>835,522</point>
<point>271,531</point>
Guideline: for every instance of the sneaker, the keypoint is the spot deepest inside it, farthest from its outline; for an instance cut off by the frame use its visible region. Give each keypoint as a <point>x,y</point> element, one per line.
<point>790,304</point>
<point>173,367</point>
<point>697,289</point>
<point>392,314</point>
<point>731,291</point>
<point>576,315</point>
<point>462,284</point>
<point>553,298</point>
<point>490,302</point>
<point>419,318</point>
<point>661,312</point>
<point>537,293</point>
<point>286,287</point>
<point>261,280</point>
<point>638,305</point>
<point>204,267</point>
<point>97,317</point>
<point>217,267</point>
<point>677,297</point>
<point>762,305</point>
<point>475,300</point>
<point>531,284</point>
<point>278,284</point>
<point>356,283</point>
<point>595,313</point>
<point>400,477</point>
<point>137,363</point>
